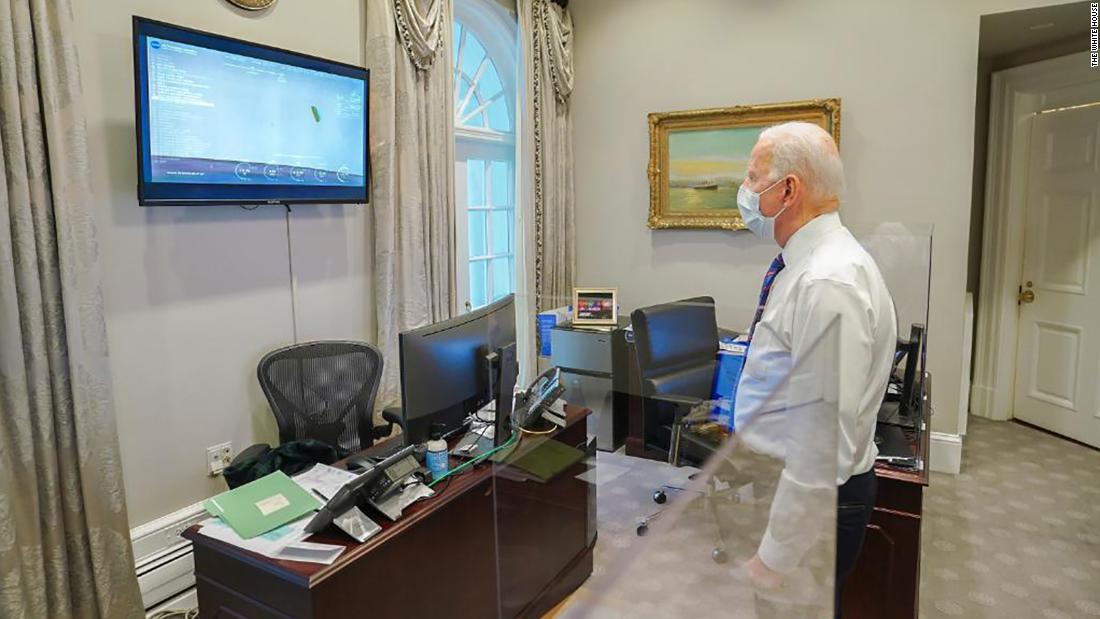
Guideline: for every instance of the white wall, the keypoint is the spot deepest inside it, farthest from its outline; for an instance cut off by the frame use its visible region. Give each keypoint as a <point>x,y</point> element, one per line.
<point>905,71</point>
<point>195,296</point>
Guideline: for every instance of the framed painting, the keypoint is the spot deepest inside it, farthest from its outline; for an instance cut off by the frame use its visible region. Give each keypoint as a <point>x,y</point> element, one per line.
<point>698,158</point>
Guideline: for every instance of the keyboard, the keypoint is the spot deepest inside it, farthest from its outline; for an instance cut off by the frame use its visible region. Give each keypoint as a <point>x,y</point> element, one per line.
<point>367,461</point>
<point>390,450</point>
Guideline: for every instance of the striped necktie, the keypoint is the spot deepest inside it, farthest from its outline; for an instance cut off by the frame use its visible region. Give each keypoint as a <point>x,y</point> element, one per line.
<point>769,277</point>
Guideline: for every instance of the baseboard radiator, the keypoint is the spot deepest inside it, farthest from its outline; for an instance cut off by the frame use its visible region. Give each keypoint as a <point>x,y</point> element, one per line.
<point>163,559</point>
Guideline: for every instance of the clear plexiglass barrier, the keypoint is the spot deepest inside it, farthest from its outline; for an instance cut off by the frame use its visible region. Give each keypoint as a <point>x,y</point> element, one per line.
<point>671,464</point>
<point>903,253</point>
<point>674,527</point>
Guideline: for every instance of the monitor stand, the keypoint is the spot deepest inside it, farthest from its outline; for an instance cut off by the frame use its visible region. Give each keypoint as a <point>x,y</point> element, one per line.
<point>503,369</point>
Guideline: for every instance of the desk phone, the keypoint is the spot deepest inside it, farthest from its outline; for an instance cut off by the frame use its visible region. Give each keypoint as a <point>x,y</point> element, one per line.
<point>372,483</point>
<point>392,477</point>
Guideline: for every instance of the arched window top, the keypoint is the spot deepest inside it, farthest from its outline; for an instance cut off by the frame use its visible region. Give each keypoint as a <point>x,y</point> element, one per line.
<point>483,57</point>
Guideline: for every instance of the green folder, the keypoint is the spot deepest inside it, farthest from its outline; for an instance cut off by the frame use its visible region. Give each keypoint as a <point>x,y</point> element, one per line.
<point>262,505</point>
<point>543,460</point>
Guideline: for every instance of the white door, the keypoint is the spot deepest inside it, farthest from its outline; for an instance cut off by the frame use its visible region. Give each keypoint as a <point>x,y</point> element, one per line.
<point>1058,344</point>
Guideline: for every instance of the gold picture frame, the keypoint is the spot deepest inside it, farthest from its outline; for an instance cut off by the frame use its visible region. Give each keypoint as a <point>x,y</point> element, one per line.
<point>710,148</point>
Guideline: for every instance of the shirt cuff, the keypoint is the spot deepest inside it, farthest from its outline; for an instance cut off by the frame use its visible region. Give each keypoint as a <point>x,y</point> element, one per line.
<point>777,556</point>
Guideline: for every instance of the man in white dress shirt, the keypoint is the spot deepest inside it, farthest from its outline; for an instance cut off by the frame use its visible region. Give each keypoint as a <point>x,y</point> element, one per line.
<point>824,296</point>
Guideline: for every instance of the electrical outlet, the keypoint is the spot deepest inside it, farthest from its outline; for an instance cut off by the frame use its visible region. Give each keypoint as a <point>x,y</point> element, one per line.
<point>218,457</point>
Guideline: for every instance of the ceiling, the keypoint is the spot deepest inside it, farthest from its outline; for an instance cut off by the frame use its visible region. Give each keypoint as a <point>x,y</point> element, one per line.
<point>1007,33</point>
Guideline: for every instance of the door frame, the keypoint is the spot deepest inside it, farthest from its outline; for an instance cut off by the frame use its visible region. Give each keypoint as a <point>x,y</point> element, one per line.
<point>1016,95</point>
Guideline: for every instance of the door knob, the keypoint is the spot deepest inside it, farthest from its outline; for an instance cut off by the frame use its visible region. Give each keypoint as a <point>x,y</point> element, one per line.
<point>1027,296</point>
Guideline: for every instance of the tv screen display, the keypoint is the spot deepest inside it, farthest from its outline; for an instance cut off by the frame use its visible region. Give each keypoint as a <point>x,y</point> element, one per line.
<point>223,121</point>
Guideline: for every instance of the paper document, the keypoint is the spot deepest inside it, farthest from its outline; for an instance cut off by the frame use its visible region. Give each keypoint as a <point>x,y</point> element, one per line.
<point>267,544</point>
<point>284,542</point>
<point>311,552</point>
<point>324,479</point>
<point>600,474</point>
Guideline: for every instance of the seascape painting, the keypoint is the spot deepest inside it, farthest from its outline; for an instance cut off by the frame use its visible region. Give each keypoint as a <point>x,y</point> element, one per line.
<point>706,166</point>
<point>698,158</point>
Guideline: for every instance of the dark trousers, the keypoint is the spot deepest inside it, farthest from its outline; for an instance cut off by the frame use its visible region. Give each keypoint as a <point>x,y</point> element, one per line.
<point>855,500</point>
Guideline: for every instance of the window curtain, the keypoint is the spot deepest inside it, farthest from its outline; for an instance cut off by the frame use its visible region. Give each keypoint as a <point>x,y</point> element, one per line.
<point>412,167</point>
<point>64,535</point>
<point>546,222</point>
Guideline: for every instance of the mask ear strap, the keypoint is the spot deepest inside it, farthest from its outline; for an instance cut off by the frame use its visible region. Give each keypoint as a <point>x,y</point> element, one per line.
<point>783,181</point>
<point>785,206</point>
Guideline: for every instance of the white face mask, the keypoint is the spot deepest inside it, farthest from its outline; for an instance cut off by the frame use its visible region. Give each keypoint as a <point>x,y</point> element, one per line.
<point>748,202</point>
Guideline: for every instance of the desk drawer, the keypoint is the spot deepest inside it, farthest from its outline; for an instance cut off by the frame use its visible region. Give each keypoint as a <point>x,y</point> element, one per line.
<point>222,603</point>
<point>229,585</point>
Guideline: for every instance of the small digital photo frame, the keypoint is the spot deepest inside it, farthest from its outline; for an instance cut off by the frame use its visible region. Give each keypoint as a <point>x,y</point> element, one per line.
<point>595,306</point>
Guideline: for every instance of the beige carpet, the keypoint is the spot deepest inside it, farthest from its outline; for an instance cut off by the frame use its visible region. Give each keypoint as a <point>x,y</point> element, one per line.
<point>670,571</point>
<point>1017,533</point>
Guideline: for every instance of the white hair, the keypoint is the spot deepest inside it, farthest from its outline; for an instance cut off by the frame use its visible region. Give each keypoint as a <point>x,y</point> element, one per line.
<point>808,152</point>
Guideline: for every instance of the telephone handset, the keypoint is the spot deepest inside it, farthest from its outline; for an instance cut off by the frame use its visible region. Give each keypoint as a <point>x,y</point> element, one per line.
<point>543,391</point>
<point>371,485</point>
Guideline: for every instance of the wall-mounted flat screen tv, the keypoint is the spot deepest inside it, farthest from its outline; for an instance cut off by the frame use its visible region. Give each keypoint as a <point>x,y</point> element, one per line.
<point>224,121</point>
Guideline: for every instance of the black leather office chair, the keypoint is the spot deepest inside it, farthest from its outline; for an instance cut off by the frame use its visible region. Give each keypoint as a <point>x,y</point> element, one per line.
<point>677,345</point>
<point>324,391</point>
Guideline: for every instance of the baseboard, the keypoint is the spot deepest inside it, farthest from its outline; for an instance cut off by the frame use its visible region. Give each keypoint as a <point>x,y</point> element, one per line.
<point>162,558</point>
<point>945,453</point>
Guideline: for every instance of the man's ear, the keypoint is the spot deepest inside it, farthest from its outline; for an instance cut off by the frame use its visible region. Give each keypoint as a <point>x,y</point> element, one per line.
<point>791,187</point>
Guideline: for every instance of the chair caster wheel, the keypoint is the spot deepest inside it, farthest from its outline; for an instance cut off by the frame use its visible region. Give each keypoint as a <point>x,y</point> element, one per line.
<point>642,529</point>
<point>659,497</point>
<point>719,556</point>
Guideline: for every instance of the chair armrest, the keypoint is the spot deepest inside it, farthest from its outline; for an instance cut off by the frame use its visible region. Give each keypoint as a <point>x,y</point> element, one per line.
<point>727,333</point>
<point>392,416</point>
<point>686,401</point>
<point>251,453</point>
<point>683,403</point>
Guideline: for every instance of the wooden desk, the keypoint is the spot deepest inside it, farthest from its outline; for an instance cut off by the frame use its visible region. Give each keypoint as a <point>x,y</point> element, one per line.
<point>885,583</point>
<point>442,558</point>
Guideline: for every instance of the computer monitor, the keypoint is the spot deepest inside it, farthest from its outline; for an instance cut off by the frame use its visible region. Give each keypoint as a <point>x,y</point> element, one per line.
<point>913,381</point>
<point>902,404</point>
<point>452,369</point>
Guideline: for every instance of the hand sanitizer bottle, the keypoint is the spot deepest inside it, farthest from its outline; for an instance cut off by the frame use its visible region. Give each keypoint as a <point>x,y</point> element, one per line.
<point>437,458</point>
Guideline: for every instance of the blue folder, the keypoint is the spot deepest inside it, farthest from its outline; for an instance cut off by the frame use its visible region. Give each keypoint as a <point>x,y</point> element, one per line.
<point>727,373</point>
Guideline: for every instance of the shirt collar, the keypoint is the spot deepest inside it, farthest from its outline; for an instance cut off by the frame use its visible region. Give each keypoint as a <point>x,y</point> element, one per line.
<point>803,241</point>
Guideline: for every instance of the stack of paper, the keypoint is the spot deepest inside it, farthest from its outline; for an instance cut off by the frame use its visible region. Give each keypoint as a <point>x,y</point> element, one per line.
<point>324,480</point>
<point>284,542</point>
<point>269,516</point>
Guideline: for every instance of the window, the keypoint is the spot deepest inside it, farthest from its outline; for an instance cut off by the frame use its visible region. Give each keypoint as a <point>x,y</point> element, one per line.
<point>485,150</point>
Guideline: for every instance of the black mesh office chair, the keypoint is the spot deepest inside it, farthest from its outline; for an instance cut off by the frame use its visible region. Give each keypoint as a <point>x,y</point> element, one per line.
<point>324,391</point>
